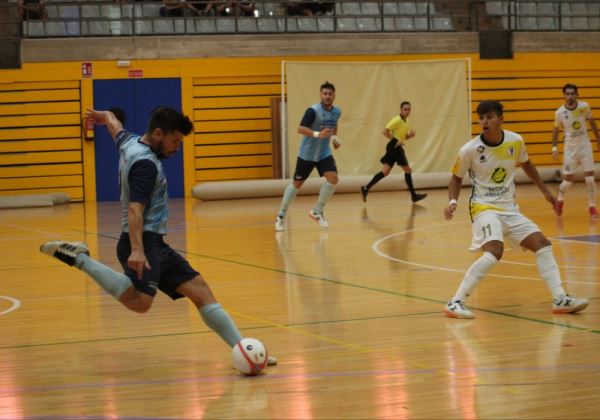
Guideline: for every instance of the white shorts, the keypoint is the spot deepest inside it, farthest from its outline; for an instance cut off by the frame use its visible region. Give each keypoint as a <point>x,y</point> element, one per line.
<point>492,226</point>
<point>578,155</point>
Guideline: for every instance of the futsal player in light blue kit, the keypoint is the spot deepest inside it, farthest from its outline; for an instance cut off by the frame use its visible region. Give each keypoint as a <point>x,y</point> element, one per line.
<point>148,262</point>
<point>318,127</point>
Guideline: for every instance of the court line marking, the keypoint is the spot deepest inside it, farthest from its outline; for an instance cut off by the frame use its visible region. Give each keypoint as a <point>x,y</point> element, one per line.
<point>44,232</point>
<point>273,377</point>
<point>351,346</point>
<point>264,325</point>
<point>375,248</point>
<point>16,304</point>
<point>364,287</point>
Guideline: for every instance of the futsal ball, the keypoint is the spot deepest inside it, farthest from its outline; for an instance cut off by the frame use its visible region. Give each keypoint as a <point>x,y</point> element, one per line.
<point>249,356</point>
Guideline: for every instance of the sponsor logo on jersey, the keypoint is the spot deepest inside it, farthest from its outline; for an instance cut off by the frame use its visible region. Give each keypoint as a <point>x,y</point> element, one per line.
<point>499,175</point>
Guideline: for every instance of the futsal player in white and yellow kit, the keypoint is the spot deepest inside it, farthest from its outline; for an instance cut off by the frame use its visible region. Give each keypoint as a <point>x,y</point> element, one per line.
<point>491,159</point>
<point>572,117</point>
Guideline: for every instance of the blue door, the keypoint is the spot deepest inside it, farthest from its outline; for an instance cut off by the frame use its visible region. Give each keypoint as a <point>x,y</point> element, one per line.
<point>137,98</point>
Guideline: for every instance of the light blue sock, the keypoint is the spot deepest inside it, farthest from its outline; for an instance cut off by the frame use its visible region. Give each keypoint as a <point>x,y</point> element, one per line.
<point>108,279</point>
<point>220,322</point>
<point>288,196</point>
<point>324,194</point>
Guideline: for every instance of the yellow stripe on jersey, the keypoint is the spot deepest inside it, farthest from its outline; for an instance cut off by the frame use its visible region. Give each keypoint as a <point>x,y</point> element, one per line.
<point>508,150</point>
<point>456,167</point>
<point>476,208</point>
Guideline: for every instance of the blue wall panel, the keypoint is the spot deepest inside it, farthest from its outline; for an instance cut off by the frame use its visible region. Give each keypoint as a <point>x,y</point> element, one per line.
<point>137,97</point>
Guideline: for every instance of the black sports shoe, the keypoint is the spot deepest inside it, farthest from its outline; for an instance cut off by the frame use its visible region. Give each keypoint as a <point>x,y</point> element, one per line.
<point>64,251</point>
<point>418,197</point>
<point>364,191</point>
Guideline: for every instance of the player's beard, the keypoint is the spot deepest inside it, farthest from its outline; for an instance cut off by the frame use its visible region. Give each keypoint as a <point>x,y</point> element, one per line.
<point>160,151</point>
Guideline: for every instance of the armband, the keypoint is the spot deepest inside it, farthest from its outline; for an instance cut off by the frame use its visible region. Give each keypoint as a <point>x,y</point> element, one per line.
<point>316,133</point>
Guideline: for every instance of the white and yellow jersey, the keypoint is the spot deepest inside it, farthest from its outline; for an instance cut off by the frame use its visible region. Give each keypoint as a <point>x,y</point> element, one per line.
<point>573,123</point>
<point>492,172</point>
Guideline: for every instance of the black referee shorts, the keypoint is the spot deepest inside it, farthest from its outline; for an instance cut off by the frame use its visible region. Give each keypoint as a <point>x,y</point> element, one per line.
<point>394,154</point>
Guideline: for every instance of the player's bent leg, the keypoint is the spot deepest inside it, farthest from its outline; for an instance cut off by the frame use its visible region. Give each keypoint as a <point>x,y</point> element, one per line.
<point>487,236</point>
<point>590,184</point>
<point>198,291</point>
<point>415,196</point>
<point>288,196</point>
<point>136,300</point>
<point>64,251</point>
<point>455,307</point>
<point>566,183</point>
<point>550,273</point>
<point>386,169</point>
<point>77,254</point>
<point>535,242</point>
<point>332,177</point>
<point>212,313</point>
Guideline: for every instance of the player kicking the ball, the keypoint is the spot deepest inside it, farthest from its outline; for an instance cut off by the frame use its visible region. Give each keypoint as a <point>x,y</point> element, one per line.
<point>149,263</point>
<point>491,159</point>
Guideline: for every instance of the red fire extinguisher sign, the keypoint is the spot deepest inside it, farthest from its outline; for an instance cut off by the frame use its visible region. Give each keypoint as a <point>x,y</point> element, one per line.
<point>86,70</point>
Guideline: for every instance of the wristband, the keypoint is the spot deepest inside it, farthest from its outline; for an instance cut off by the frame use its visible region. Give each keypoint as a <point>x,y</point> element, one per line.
<point>554,149</point>
<point>452,201</point>
<point>334,138</point>
<point>316,133</point>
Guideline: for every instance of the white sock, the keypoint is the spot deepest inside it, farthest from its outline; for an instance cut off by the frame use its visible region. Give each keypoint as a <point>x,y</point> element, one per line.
<point>325,194</point>
<point>288,196</point>
<point>220,322</point>
<point>474,275</point>
<point>549,271</point>
<point>590,183</point>
<point>562,189</point>
<point>108,279</point>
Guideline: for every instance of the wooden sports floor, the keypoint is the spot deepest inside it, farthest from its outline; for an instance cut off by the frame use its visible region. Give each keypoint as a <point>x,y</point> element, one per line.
<point>354,314</point>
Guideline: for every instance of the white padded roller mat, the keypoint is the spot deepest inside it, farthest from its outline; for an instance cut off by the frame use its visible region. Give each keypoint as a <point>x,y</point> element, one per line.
<point>223,190</point>
<point>35,200</point>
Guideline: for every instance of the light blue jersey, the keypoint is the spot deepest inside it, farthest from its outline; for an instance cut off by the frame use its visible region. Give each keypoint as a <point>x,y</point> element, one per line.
<point>156,212</point>
<point>316,149</point>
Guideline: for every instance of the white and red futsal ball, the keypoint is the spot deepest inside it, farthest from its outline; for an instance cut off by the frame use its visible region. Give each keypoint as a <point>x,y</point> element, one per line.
<point>249,356</point>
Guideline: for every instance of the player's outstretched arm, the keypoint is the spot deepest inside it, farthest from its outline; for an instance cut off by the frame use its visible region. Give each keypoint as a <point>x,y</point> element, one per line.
<point>137,260</point>
<point>453,193</point>
<point>531,171</point>
<point>106,118</point>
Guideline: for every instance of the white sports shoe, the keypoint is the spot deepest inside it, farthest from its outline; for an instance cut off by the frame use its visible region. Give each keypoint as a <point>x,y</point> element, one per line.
<point>318,217</point>
<point>64,251</point>
<point>569,305</point>
<point>279,224</point>
<point>457,310</point>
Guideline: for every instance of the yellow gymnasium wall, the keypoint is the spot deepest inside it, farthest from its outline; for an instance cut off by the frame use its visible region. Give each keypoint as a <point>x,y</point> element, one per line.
<point>42,146</point>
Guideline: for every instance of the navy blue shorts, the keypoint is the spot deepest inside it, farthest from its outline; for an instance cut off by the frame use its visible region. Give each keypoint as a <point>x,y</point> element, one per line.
<point>305,167</point>
<point>169,269</point>
<point>394,154</point>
